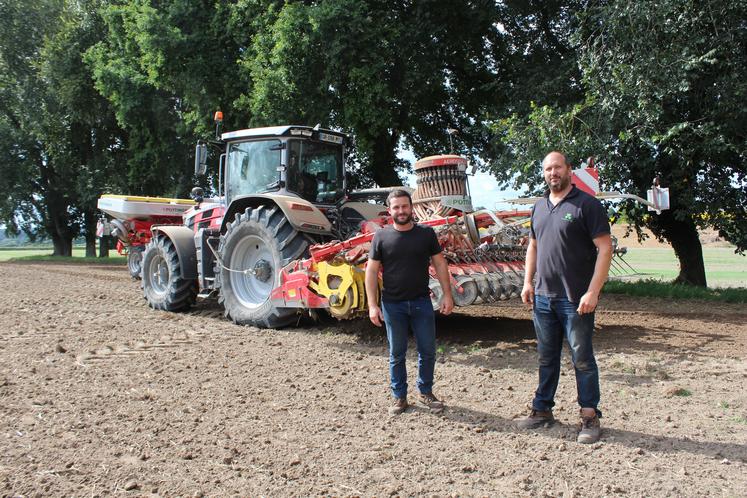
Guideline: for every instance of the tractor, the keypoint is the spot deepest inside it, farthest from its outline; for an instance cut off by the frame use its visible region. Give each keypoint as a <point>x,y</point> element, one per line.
<point>285,235</point>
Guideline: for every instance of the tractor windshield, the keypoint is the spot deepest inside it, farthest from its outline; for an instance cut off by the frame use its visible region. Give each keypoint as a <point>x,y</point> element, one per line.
<point>315,170</point>
<point>252,168</point>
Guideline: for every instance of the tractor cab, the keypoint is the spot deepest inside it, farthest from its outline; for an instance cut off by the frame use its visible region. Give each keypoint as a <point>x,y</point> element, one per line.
<point>284,160</point>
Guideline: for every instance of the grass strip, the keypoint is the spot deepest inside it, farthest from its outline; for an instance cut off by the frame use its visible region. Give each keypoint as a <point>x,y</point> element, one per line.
<point>656,288</point>
<point>46,258</point>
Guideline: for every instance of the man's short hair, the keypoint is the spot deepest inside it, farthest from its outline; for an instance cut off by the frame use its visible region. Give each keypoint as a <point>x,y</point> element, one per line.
<point>398,193</point>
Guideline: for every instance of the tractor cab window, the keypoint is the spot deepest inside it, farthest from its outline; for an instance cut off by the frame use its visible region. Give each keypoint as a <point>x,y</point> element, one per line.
<point>252,168</point>
<point>315,170</point>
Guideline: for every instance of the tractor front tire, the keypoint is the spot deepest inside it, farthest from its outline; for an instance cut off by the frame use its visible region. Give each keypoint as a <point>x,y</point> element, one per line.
<point>162,283</point>
<point>135,261</point>
<point>256,246</point>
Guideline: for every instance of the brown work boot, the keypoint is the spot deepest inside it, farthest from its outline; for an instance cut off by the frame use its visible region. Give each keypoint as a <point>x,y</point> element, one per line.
<point>535,419</point>
<point>431,402</point>
<point>590,431</point>
<point>399,406</point>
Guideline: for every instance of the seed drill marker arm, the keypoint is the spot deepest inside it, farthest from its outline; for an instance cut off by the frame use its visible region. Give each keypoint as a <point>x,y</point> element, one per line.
<point>587,179</point>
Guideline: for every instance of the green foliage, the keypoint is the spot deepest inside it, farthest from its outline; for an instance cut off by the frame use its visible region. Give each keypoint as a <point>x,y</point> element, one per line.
<point>392,73</point>
<point>664,89</point>
<point>58,136</point>
<point>679,114</point>
<point>656,288</point>
<point>529,138</point>
<point>121,90</point>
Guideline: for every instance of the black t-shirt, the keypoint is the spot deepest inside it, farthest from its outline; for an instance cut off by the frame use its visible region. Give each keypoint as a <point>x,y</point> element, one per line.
<point>405,257</point>
<point>566,253</point>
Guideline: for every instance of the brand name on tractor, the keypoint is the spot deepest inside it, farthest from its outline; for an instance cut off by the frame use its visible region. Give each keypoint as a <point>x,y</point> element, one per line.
<point>460,202</point>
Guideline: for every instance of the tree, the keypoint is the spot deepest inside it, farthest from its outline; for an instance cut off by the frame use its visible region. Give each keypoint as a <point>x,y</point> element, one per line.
<point>93,142</point>
<point>57,134</point>
<point>39,187</point>
<point>166,67</point>
<point>390,73</point>
<point>664,85</point>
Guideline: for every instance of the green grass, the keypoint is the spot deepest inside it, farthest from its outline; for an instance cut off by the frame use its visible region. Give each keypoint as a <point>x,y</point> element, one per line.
<point>656,288</point>
<point>723,267</point>
<point>656,268</point>
<point>45,255</point>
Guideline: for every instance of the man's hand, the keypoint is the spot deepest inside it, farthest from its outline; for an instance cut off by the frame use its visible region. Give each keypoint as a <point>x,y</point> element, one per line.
<point>588,303</point>
<point>527,295</point>
<point>447,304</point>
<point>374,314</point>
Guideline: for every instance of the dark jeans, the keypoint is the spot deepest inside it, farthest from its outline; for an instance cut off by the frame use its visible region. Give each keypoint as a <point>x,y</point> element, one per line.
<point>400,317</point>
<point>555,318</point>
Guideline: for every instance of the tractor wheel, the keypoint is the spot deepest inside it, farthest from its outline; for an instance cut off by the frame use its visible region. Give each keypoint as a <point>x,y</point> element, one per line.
<point>162,284</point>
<point>135,261</point>
<point>262,241</point>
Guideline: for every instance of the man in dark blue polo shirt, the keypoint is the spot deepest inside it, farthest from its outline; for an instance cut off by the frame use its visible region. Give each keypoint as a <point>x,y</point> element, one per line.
<point>569,252</point>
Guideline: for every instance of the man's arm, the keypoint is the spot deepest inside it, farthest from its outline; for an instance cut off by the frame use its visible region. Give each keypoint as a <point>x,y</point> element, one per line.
<point>530,267</point>
<point>372,291</point>
<point>442,272</point>
<point>589,300</point>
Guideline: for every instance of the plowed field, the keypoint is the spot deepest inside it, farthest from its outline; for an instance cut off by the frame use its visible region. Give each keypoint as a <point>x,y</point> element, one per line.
<point>102,396</point>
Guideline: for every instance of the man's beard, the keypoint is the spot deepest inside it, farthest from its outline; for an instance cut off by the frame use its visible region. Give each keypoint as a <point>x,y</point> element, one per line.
<point>405,222</point>
<point>564,182</point>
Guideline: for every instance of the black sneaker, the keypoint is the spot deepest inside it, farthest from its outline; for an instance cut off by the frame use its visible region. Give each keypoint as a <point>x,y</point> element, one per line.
<point>535,419</point>
<point>590,431</point>
<point>431,402</point>
<point>399,406</point>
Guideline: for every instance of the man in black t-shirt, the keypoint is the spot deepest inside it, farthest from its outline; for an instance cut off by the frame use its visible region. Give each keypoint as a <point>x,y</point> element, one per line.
<point>404,250</point>
<point>570,250</point>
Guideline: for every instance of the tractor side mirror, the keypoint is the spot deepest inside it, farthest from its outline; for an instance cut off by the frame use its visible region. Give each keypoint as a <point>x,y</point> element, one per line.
<point>200,159</point>
<point>198,194</point>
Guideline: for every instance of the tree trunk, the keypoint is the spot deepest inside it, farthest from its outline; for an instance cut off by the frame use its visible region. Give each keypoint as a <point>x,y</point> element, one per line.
<point>683,235</point>
<point>90,233</point>
<point>58,226</point>
<point>90,246</point>
<point>62,246</point>
<point>384,159</point>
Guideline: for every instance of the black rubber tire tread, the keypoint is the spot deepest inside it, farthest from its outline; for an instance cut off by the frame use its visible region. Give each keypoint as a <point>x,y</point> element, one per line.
<point>135,261</point>
<point>180,294</point>
<point>286,243</point>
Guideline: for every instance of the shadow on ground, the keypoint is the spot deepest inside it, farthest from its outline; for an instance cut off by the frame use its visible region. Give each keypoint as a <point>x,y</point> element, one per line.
<point>566,432</point>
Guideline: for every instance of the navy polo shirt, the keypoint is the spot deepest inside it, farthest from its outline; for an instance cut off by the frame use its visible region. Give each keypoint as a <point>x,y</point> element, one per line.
<point>566,253</point>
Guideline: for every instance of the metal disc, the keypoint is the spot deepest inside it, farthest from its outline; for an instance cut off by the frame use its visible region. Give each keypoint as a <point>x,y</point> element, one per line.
<point>469,291</point>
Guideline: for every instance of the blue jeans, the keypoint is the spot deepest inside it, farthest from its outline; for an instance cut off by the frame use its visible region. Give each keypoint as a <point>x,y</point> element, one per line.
<point>555,318</point>
<point>400,317</point>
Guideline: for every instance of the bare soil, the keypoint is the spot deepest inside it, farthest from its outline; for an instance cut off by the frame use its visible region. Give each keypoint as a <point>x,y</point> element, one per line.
<point>102,396</point>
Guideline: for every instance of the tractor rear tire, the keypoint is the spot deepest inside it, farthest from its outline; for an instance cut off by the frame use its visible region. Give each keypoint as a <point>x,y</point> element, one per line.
<point>263,241</point>
<point>135,261</point>
<point>162,283</point>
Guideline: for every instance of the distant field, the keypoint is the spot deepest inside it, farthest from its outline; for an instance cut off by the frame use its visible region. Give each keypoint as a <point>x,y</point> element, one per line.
<point>42,254</point>
<point>724,268</point>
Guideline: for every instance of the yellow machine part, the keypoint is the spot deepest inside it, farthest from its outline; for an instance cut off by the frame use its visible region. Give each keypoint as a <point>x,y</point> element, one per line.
<point>160,200</point>
<point>344,286</point>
